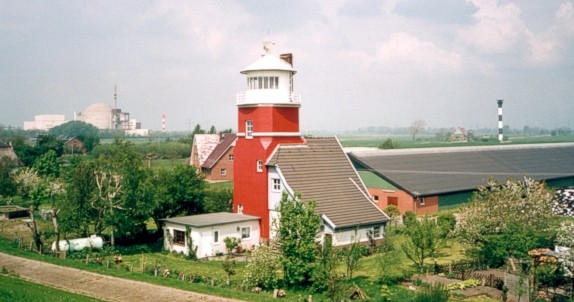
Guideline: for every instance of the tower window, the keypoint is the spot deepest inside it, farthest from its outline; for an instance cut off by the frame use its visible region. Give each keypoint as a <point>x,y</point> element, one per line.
<point>248,129</point>
<point>254,83</point>
<point>259,166</point>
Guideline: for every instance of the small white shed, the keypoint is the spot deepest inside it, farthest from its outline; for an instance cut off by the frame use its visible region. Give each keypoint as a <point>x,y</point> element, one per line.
<point>206,232</point>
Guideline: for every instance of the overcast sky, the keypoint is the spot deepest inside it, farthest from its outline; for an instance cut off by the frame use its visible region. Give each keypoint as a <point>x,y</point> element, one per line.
<point>359,63</point>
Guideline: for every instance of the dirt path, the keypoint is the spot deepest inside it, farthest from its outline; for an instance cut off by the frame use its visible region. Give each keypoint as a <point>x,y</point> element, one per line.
<point>96,285</point>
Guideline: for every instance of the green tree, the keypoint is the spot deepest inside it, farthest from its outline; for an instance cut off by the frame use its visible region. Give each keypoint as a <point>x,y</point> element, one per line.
<point>77,213</point>
<point>388,261</point>
<point>177,192</point>
<point>124,189</point>
<point>212,130</point>
<point>351,255</point>
<point>8,186</point>
<point>218,200</point>
<point>393,212</point>
<point>296,235</point>
<point>425,239</point>
<point>325,277</point>
<point>87,133</point>
<point>389,144</point>
<point>48,165</point>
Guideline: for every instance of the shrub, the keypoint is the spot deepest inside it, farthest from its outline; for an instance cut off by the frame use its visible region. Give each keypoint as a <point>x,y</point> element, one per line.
<point>434,293</point>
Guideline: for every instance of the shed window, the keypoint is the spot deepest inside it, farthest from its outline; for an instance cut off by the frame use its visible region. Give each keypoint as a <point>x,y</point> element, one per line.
<point>377,232</point>
<point>178,237</point>
<point>215,236</point>
<point>223,171</point>
<point>245,232</point>
<point>422,199</point>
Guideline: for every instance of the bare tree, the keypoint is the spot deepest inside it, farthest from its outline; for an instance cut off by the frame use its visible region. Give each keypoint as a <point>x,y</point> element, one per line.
<point>416,127</point>
<point>109,187</point>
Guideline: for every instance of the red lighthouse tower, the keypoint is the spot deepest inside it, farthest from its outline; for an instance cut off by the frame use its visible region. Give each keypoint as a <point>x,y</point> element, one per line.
<point>268,115</point>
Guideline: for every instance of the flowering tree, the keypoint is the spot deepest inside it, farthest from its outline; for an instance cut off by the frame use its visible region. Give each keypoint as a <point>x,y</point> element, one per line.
<point>508,219</point>
<point>565,238</point>
<point>564,203</point>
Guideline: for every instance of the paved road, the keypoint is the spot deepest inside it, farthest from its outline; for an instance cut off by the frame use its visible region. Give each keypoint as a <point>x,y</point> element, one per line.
<point>96,285</point>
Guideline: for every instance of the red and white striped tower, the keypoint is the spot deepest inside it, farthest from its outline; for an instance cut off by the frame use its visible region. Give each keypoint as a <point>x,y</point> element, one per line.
<point>268,115</point>
<point>163,123</point>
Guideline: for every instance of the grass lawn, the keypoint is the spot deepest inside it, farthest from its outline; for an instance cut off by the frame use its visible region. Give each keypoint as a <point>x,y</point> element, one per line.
<point>366,276</point>
<point>14,289</point>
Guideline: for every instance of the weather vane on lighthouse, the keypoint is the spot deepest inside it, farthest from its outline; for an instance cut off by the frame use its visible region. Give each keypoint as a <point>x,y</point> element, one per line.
<point>267,46</point>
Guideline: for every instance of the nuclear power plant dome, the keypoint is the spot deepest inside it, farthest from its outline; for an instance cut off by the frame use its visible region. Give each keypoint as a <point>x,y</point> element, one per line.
<point>100,115</point>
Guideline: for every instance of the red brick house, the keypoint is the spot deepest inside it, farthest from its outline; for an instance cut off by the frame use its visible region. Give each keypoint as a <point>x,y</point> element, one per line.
<point>74,146</point>
<point>218,166</point>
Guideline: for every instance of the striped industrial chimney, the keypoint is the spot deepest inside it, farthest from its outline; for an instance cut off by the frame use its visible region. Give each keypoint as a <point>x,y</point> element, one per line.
<point>500,135</point>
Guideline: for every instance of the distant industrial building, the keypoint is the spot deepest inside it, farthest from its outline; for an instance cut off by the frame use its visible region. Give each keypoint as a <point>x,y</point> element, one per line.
<point>105,117</point>
<point>101,115</point>
<point>45,122</point>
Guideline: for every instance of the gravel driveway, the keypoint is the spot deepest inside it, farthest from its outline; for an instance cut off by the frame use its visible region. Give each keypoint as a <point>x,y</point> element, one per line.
<point>96,285</point>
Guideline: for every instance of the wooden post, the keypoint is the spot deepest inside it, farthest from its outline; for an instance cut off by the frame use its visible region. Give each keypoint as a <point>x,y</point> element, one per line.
<point>143,261</point>
<point>107,263</point>
<point>212,282</point>
<point>87,258</point>
<point>275,291</point>
<point>310,298</point>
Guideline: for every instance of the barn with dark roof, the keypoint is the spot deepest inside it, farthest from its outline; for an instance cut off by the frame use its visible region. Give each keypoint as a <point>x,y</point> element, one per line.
<point>433,179</point>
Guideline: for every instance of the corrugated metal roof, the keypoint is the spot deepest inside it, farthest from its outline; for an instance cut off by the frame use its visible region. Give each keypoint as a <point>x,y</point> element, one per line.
<point>203,220</point>
<point>227,141</point>
<point>321,171</point>
<point>445,170</point>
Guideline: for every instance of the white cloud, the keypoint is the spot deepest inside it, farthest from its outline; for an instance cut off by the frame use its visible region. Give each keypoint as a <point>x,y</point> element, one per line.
<point>405,50</point>
<point>498,28</point>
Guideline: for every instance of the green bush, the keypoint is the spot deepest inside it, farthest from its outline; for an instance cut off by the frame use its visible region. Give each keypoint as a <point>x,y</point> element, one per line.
<point>434,293</point>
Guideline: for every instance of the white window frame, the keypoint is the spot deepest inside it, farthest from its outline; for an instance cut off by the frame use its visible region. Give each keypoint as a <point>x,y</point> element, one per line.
<point>249,129</point>
<point>376,198</point>
<point>259,165</point>
<point>216,236</point>
<point>276,184</point>
<point>240,208</point>
<point>245,232</point>
<point>230,157</point>
<point>422,201</point>
<point>223,172</point>
<point>377,232</point>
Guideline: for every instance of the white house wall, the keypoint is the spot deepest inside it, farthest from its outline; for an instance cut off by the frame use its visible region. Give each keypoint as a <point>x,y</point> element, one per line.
<point>203,237</point>
<point>346,237</point>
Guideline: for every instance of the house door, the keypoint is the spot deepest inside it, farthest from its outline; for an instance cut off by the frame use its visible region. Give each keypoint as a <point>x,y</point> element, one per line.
<point>392,201</point>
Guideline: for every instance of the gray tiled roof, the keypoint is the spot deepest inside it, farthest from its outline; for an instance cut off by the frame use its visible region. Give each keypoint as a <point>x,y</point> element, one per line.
<point>321,171</point>
<point>435,171</point>
<point>203,220</point>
